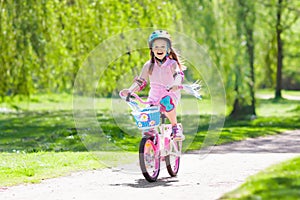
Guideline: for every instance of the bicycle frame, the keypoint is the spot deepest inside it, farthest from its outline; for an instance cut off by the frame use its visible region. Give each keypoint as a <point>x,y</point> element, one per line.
<point>168,143</point>
<point>157,141</point>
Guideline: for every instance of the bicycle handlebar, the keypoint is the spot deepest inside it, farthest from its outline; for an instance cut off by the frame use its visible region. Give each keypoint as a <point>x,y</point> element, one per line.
<point>140,99</point>
<point>132,94</point>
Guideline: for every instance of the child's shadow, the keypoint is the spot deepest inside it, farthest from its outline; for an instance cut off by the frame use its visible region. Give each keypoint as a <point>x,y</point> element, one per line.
<point>142,183</point>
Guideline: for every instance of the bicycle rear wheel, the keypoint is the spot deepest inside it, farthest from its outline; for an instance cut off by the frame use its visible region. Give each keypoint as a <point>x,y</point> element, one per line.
<point>149,159</point>
<point>173,159</point>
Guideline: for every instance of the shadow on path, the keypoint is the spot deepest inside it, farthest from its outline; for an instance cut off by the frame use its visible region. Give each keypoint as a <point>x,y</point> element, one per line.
<point>142,183</point>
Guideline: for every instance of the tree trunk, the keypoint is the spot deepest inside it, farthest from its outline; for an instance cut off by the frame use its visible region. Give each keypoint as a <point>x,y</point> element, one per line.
<point>250,49</point>
<point>245,24</point>
<point>249,26</point>
<point>279,52</point>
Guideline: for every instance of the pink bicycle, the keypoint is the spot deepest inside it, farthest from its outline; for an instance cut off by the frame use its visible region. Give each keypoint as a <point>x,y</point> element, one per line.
<point>157,143</point>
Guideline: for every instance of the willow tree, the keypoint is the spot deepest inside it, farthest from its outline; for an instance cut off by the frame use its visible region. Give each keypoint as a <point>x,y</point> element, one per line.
<point>244,103</point>
<point>43,43</point>
<point>283,23</point>
<point>226,27</point>
<point>280,35</point>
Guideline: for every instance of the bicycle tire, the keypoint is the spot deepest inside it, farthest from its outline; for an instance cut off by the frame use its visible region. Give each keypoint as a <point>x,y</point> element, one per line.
<point>172,160</point>
<point>150,166</point>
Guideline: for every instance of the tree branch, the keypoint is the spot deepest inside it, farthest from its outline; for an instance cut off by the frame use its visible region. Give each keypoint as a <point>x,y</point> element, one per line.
<point>262,2</point>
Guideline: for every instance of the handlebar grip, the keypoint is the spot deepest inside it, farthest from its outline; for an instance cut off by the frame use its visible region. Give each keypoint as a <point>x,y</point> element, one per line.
<point>128,97</point>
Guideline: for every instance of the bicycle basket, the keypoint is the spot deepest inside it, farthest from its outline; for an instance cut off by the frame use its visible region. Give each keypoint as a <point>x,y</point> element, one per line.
<point>147,117</point>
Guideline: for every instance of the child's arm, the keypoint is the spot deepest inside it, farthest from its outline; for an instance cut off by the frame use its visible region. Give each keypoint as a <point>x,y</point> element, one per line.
<point>140,82</point>
<point>178,76</point>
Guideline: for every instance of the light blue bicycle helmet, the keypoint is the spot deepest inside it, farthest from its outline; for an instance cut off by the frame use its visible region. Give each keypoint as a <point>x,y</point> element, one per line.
<point>159,34</point>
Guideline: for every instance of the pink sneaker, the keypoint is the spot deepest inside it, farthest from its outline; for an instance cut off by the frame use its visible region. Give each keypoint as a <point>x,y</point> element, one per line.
<point>177,133</point>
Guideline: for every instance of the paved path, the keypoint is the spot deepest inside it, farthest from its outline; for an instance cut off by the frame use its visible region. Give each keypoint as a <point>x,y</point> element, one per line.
<point>287,142</point>
<point>271,96</point>
<point>200,177</point>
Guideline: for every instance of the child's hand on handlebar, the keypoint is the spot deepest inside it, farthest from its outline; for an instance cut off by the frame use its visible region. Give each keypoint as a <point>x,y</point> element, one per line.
<point>125,92</point>
<point>173,88</point>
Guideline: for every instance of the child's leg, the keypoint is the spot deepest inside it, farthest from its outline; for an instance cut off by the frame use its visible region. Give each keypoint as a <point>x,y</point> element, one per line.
<point>170,109</point>
<point>172,117</point>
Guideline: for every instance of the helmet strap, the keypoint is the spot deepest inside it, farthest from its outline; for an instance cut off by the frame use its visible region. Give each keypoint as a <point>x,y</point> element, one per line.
<point>161,61</point>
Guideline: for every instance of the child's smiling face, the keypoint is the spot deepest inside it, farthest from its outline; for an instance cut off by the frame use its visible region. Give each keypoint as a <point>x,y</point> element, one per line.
<point>159,48</point>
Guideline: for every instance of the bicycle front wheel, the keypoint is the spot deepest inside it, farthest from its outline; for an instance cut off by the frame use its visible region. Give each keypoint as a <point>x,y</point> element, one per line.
<point>149,159</point>
<point>173,159</point>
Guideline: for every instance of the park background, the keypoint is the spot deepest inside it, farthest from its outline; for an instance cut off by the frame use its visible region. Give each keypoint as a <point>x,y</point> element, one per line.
<point>43,45</point>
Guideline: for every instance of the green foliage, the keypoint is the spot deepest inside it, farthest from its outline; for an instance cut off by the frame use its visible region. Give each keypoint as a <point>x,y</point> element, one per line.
<point>44,43</point>
<point>223,26</point>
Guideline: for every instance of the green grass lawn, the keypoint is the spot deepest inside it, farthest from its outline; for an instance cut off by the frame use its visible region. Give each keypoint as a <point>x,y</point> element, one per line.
<point>280,181</point>
<point>44,127</point>
<point>21,167</point>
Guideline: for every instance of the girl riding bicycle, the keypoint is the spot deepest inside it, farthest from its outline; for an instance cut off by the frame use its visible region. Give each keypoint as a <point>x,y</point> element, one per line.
<point>165,72</point>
